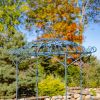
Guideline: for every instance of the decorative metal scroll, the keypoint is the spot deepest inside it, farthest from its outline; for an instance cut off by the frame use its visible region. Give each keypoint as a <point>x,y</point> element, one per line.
<point>45,47</point>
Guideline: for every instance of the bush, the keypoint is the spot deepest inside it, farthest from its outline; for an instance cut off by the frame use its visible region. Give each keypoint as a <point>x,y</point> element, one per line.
<point>51,87</point>
<point>73,76</point>
<point>92,92</point>
<point>73,84</point>
<point>93,84</point>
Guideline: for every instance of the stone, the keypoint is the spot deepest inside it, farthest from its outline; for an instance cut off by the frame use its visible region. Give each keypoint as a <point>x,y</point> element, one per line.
<point>68,97</point>
<point>47,99</point>
<point>73,99</point>
<point>87,97</point>
<point>83,97</point>
<point>57,97</point>
<point>97,97</point>
<point>22,99</point>
<point>85,92</point>
<point>76,96</point>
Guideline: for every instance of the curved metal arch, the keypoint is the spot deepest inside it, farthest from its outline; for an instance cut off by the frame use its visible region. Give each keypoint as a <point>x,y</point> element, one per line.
<point>49,47</point>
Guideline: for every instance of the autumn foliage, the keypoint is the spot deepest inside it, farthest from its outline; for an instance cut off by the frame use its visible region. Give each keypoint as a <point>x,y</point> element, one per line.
<point>59,18</point>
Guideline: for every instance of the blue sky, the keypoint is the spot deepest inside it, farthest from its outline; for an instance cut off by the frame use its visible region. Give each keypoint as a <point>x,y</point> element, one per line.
<point>92,37</point>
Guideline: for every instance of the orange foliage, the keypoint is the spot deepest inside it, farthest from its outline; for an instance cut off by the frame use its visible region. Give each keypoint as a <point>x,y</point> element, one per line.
<point>62,14</point>
<point>69,61</point>
<point>69,33</point>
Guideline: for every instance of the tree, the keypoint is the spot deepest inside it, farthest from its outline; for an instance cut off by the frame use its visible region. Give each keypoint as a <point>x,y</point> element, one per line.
<point>57,18</point>
<point>10,37</point>
<point>90,11</point>
<point>91,73</point>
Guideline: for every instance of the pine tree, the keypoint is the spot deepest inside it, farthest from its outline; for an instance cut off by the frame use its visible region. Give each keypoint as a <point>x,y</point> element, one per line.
<point>11,38</point>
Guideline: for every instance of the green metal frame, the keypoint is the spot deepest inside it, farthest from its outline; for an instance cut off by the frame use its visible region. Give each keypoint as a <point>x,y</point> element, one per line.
<point>46,47</point>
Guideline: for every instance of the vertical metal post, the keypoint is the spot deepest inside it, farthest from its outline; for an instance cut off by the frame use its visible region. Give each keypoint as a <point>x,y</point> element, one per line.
<point>81,80</point>
<point>65,76</point>
<point>17,63</point>
<point>37,67</point>
<point>37,79</point>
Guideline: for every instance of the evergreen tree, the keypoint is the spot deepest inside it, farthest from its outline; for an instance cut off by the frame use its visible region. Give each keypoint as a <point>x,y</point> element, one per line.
<point>11,38</point>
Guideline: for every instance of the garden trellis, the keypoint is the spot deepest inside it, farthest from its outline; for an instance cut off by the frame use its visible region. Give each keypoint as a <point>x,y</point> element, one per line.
<point>42,47</point>
<point>48,48</point>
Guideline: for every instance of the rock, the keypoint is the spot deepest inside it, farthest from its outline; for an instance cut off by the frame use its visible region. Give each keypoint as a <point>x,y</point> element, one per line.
<point>87,97</point>
<point>47,99</point>
<point>68,97</point>
<point>73,99</point>
<point>81,98</point>
<point>57,97</point>
<point>22,99</point>
<point>85,92</point>
<point>97,97</point>
<point>76,96</point>
<point>72,96</point>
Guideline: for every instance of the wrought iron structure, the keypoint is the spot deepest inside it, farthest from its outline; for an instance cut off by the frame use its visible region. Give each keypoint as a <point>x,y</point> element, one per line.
<point>50,47</point>
<point>45,47</point>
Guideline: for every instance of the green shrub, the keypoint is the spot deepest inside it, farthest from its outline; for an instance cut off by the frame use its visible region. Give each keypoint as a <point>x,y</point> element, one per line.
<point>51,87</point>
<point>92,92</point>
<point>73,84</point>
<point>93,84</point>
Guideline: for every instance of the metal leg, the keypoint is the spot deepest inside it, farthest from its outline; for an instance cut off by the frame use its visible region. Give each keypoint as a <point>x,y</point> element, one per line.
<point>81,80</point>
<point>66,77</point>
<point>37,79</point>
<point>17,80</point>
